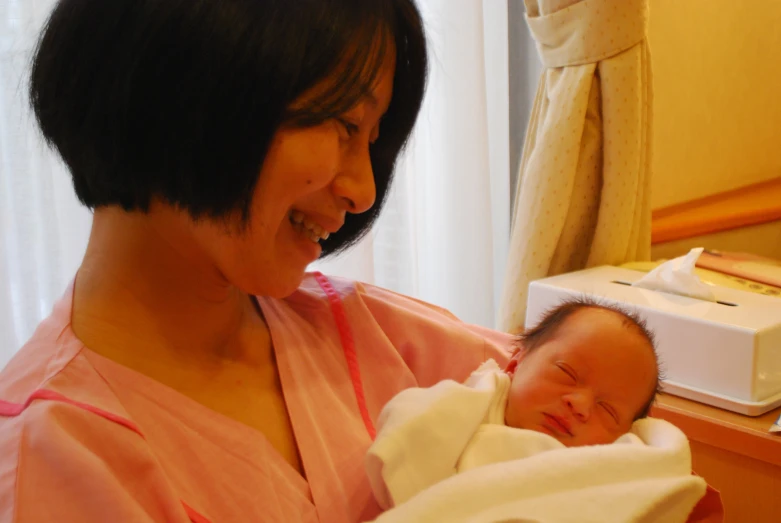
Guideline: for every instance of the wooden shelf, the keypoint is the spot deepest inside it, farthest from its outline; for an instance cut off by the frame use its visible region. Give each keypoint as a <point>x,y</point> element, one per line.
<point>719,428</point>
<point>735,454</point>
<point>750,205</point>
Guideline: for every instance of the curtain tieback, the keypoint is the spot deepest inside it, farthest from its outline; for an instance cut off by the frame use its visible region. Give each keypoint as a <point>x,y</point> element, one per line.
<point>588,31</point>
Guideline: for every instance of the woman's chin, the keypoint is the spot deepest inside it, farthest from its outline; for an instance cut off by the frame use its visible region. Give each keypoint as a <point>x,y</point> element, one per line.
<point>281,285</point>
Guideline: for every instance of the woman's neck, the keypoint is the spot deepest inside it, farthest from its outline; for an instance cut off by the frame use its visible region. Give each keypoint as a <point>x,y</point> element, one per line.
<point>146,295</point>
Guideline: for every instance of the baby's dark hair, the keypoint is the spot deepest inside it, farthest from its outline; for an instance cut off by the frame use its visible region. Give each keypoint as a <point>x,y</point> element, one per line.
<point>554,318</point>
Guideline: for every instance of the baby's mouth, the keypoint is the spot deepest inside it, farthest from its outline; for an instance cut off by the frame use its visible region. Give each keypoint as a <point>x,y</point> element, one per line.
<point>557,424</point>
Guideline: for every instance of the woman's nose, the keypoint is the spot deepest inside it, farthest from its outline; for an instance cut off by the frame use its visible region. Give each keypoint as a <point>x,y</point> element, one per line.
<point>355,185</point>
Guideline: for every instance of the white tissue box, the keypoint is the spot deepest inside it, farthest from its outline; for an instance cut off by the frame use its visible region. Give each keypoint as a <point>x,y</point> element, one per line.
<point>726,354</point>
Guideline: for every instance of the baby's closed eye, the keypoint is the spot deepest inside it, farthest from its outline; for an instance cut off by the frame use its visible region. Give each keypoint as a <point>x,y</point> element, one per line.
<point>566,369</point>
<point>610,411</point>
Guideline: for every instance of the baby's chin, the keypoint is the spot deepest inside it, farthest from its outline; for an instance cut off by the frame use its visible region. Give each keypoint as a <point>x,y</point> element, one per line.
<point>565,440</point>
<point>571,441</point>
<point>587,442</point>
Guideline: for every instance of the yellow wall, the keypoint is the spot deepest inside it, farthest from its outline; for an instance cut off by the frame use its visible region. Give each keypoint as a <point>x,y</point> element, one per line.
<point>717,106</point>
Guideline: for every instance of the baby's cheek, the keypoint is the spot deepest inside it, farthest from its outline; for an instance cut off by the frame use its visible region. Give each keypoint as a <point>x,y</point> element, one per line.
<point>516,414</point>
<point>511,414</point>
<point>614,433</point>
<point>603,437</point>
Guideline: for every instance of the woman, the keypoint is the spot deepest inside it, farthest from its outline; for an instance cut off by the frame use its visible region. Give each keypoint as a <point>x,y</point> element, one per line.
<point>193,371</point>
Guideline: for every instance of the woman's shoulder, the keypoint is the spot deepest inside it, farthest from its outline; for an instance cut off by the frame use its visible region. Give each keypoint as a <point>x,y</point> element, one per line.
<point>49,372</point>
<point>48,351</point>
<point>65,435</point>
<point>433,342</point>
<point>399,310</point>
<point>52,370</point>
<point>324,290</point>
<point>64,454</point>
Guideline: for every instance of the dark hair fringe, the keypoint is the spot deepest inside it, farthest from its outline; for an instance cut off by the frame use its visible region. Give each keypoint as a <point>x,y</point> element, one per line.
<point>179,100</point>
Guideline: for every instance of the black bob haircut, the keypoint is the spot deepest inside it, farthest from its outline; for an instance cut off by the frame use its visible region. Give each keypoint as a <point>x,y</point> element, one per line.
<point>179,99</point>
<point>546,329</point>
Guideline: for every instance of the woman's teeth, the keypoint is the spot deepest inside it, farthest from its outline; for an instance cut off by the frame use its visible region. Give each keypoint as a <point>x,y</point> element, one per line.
<point>307,227</point>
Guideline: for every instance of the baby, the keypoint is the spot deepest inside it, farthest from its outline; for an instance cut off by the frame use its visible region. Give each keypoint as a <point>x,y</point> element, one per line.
<point>581,377</point>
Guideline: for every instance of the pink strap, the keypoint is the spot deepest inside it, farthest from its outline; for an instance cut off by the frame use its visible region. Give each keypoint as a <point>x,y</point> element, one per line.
<point>14,409</point>
<point>348,344</point>
<point>193,515</point>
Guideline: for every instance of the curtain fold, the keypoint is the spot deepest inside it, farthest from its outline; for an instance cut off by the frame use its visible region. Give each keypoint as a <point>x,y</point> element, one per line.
<point>583,194</point>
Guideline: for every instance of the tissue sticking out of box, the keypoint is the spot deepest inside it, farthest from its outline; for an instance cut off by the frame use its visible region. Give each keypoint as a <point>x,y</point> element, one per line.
<point>677,276</point>
<point>776,428</point>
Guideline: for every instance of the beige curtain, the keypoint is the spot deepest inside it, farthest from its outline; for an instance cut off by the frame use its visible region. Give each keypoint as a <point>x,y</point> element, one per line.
<point>582,198</point>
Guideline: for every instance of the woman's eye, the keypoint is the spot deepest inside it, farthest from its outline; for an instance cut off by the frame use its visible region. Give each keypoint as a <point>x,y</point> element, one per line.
<point>351,128</point>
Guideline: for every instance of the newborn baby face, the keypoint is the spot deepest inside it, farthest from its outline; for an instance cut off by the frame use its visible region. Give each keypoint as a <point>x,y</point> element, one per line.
<point>587,383</point>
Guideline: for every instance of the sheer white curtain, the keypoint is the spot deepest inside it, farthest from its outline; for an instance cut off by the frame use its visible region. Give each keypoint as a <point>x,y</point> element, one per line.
<point>442,238</point>
<point>43,229</point>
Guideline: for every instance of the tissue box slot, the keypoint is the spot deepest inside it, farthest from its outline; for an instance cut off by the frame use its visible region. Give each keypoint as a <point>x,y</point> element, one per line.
<point>728,304</point>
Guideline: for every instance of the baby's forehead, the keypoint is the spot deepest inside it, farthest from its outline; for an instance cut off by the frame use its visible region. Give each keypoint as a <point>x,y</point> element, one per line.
<point>603,336</point>
<point>598,319</point>
<point>598,315</point>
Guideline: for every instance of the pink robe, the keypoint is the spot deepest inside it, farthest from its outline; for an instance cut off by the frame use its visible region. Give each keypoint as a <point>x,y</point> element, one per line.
<point>85,439</point>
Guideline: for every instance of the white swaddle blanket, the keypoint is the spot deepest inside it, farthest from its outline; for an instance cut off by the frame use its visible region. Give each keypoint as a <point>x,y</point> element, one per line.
<point>444,454</point>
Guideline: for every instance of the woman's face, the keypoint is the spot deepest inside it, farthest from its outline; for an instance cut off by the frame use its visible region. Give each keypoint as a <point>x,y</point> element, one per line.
<point>310,179</point>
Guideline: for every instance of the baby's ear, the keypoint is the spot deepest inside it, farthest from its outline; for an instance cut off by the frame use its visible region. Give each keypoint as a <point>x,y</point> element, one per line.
<point>511,366</point>
<point>515,358</point>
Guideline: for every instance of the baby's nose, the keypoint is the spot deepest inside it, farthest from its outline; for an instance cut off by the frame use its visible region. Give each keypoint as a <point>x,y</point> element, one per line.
<point>580,405</point>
